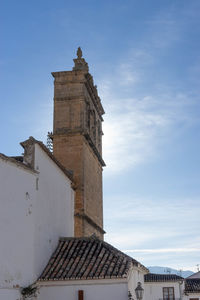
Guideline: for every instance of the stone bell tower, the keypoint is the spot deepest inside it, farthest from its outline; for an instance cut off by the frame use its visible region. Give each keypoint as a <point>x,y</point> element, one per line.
<point>77,142</point>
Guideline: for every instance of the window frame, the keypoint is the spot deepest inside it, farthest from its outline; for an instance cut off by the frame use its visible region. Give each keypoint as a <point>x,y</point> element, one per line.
<point>168,297</point>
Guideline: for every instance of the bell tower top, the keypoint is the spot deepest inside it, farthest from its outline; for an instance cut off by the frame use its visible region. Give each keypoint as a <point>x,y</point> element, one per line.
<point>79,62</point>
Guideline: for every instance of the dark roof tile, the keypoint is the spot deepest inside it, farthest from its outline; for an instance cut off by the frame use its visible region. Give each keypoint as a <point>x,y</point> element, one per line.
<point>87,258</point>
<point>192,285</point>
<point>150,277</point>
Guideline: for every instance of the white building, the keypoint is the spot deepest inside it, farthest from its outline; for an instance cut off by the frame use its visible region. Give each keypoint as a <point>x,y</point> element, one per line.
<point>37,201</point>
<point>89,268</point>
<point>37,208</point>
<point>163,286</point>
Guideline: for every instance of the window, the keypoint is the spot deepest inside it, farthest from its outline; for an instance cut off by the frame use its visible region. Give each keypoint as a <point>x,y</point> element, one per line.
<point>168,293</point>
<point>80,295</point>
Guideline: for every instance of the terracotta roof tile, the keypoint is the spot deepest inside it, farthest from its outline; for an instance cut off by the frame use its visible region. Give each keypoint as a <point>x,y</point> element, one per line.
<point>192,285</point>
<point>86,258</point>
<point>150,277</point>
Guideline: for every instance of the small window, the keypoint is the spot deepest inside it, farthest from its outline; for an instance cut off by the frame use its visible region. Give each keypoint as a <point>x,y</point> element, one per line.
<point>80,295</point>
<point>168,293</point>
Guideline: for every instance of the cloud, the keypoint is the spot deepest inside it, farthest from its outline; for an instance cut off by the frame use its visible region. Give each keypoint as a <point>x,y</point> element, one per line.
<point>164,250</point>
<point>165,30</point>
<point>41,117</point>
<point>145,209</point>
<point>146,106</point>
<point>135,243</point>
<point>153,229</point>
<point>142,113</point>
<point>127,75</point>
<point>136,127</point>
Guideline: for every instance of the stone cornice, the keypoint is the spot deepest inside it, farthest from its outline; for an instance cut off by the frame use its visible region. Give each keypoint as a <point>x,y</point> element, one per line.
<point>69,76</point>
<point>61,73</point>
<point>67,131</point>
<point>78,97</point>
<point>87,80</point>
<point>90,221</point>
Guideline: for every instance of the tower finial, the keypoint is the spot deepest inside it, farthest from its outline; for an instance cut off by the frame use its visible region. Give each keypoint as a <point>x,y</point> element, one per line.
<point>79,53</point>
<point>79,62</point>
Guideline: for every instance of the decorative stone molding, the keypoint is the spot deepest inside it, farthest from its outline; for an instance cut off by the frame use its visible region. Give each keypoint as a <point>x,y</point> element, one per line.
<point>90,221</point>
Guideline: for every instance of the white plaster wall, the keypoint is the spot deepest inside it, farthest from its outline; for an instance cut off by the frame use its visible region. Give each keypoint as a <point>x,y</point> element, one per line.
<point>91,292</point>
<point>54,208</point>
<point>10,294</point>
<point>154,290</point>
<point>31,219</point>
<point>136,275</point>
<point>17,200</point>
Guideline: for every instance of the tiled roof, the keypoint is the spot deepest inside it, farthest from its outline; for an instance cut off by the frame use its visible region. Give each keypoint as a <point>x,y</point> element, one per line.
<point>194,276</point>
<point>18,158</point>
<point>150,277</point>
<point>87,258</point>
<point>192,285</point>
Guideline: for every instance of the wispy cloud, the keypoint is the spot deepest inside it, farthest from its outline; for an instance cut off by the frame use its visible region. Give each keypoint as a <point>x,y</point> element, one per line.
<point>127,75</point>
<point>164,250</point>
<point>136,127</point>
<point>155,231</point>
<point>42,115</point>
<point>164,30</point>
<point>142,113</point>
<point>145,209</point>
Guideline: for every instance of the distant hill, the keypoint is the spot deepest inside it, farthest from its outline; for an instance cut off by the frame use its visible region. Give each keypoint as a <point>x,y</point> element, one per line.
<point>166,270</point>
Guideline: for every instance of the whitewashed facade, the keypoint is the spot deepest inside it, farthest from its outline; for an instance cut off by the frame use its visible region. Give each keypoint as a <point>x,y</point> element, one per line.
<point>37,203</point>
<point>96,289</point>
<point>154,290</point>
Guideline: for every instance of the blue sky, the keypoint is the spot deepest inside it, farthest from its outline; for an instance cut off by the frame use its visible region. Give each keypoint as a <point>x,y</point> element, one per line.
<point>145,59</point>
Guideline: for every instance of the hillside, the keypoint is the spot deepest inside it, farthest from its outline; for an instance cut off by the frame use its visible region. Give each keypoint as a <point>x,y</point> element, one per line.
<point>166,270</point>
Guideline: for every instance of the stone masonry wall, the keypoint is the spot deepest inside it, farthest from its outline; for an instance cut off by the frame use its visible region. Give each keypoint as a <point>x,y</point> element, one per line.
<point>77,145</point>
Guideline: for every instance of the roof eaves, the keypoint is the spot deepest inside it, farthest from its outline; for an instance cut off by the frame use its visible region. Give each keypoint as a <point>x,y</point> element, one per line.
<point>32,140</point>
<point>17,163</point>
